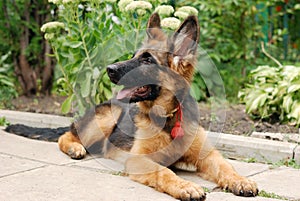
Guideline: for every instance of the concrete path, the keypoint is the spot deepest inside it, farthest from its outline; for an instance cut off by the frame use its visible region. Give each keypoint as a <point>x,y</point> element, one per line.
<point>37,170</point>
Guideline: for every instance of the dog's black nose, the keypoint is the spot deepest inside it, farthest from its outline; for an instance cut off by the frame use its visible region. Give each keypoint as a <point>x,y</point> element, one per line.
<point>112,73</point>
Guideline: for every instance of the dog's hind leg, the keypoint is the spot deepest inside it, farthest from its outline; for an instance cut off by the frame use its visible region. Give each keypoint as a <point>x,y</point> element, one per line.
<point>94,127</point>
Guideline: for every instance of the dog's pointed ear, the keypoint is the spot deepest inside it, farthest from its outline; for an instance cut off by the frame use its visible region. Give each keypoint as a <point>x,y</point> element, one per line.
<point>186,38</point>
<point>153,26</point>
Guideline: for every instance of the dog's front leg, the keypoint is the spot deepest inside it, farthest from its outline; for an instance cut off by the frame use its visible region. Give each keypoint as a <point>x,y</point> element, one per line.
<point>150,173</point>
<point>95,126</point>
<point>215,168</point>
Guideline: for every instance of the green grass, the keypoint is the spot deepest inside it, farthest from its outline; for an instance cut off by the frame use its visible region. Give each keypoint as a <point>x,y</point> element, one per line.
<point>206,190</point>
<point>3,122</point>
<point>250,160</point>
<point>265,194</point>
<point>288,163</point>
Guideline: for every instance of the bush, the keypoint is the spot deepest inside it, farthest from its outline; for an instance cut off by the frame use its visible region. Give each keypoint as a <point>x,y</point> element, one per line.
<point>7,81</point>
<point>231,32</point>
<point>273,92</point>
<point>91,34</point>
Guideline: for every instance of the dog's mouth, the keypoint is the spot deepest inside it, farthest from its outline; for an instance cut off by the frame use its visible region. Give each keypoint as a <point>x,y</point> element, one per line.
<point>132,93</point>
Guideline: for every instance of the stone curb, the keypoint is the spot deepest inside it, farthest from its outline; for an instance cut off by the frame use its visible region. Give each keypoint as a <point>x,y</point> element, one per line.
<point>232,146</point>
<point>262,150</point>
<point>35,119</point>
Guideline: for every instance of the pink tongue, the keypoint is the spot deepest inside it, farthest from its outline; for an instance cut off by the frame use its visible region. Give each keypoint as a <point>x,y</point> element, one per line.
<point>125,93</point>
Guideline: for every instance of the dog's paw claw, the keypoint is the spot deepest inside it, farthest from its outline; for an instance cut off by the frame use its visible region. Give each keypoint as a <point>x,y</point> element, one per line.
<point>244,187</point>
<point>77,151</point>
<point>189,191</point>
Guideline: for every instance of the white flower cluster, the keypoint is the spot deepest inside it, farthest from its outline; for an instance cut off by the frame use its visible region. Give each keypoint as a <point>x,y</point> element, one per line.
<point>158,1</point>
<point>164,10</point>
<point>181,14</point>
<point>123,3</point>
<point>170,22</point>
<point>52,25</point>
<point>49,36</point>
<point>57,2</point>
<point>189,10</point>
<point>138,6</point>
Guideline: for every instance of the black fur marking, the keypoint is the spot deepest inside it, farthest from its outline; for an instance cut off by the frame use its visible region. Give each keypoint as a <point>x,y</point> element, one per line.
<point>46,134</point>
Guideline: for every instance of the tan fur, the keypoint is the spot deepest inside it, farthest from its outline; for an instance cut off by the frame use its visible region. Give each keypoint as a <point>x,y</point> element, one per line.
<point>71,145</point>
<point>153,149</point>
<point>98,129</point>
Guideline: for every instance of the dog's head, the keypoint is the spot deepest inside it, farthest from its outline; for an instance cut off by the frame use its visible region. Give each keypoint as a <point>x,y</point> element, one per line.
<point>158,63</point>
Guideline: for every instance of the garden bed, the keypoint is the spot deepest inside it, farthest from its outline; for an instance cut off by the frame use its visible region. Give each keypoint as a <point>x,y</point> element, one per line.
<point>237,121</point>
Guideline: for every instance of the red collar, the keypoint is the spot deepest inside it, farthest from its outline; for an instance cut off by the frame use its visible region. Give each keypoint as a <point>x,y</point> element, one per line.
<point>177,131</point>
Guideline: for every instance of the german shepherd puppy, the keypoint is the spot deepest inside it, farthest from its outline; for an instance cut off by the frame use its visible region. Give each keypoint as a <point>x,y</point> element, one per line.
<point>165,128</point>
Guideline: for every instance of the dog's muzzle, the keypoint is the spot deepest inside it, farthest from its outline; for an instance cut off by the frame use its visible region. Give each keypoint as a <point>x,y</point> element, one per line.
<point>113,74</point>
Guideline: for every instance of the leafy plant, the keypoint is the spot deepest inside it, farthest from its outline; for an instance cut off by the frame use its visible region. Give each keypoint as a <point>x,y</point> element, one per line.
<point>231,32</point>
<point>91,34</point>
<point>20,22</point>
<point>4,122</point>
<point>288,163</point>
<point>85,41</point>
<point>7,81</point>
<point>273,92</point>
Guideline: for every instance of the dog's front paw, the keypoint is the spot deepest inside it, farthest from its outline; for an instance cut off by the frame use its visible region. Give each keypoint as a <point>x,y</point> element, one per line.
<point>243,187</point>
<point>188,191</point>
<point>76,151</point>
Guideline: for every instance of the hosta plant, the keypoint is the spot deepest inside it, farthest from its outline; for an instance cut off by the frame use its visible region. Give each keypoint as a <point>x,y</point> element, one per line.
<point>273,91</point>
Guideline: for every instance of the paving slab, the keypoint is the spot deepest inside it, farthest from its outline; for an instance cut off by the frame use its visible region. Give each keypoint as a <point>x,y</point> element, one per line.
<point>297,154</point>
<point>100,164</point>
<point>65,183</point>
<point>249,169</point>
<point>218,196</point>
<point>37,170</point>
<point>12,165</point>
<point>233,146</point>
<point>282,181</point>
<point>41,151</point>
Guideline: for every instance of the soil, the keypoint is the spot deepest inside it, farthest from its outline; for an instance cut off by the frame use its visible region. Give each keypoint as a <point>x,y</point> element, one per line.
<point>236,121</point>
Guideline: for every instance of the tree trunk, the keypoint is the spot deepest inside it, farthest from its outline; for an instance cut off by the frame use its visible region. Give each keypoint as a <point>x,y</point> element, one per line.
<point>27,73</point>
<point>42,66</point>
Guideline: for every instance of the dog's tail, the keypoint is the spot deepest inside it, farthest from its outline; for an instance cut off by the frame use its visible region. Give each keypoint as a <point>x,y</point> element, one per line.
<point>46,134</point>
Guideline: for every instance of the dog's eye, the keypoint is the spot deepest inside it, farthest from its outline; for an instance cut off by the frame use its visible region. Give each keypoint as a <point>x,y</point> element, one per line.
<point>146,58</point>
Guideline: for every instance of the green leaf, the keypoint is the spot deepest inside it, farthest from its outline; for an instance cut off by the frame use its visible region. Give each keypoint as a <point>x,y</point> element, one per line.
<point>293,88</point>
<point>75,44</point>
<point>66,105</point>
<point>287,103</point>
<point>256,101</point>
<point>107,93</point>
<point>96,73</point>
<point>129,45</point>
<point>295,111</point>
<point>7,82</point>
<point>195,91</point>
<point>86,85</point>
